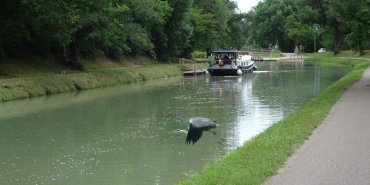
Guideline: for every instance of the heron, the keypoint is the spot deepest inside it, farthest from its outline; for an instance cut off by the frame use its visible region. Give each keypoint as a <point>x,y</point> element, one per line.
<point>196,127</point>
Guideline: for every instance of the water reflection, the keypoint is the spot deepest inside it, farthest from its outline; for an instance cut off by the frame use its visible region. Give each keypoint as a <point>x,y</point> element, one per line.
<point>121,135</point>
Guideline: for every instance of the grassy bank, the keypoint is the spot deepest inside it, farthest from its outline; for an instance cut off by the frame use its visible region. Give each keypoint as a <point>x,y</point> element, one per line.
<point>262,156</point>
<point>38,77</point>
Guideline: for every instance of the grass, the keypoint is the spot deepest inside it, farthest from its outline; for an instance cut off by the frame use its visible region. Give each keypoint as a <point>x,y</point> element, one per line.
<point>262,156</point>
<point>39,77</point>
<point>30,66</point>
<point>267,54</point>
<point>347,53</point>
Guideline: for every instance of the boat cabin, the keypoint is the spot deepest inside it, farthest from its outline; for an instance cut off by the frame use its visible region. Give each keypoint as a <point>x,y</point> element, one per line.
<point>223,57</point>
<point>230,63</point>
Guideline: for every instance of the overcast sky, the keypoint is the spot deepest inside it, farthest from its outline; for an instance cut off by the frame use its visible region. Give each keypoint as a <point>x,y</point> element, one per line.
<point>246,5</point>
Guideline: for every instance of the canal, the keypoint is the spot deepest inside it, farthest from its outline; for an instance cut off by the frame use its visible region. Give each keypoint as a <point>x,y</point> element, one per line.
<point>122,135</point>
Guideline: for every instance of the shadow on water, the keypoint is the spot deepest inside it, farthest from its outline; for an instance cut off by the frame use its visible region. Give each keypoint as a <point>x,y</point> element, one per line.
<point>121,135</point>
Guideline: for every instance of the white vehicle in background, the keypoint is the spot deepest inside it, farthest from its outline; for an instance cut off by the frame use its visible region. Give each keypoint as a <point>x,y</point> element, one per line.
<point>321,50</point>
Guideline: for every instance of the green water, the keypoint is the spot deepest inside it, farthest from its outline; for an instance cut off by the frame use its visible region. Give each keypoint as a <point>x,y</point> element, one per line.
<point>121,135</point>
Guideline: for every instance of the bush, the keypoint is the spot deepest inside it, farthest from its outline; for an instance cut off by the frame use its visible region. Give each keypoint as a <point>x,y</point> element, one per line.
<point>199,54</point>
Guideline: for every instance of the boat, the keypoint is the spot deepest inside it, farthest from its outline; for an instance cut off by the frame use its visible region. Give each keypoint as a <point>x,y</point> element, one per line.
<point>231,63</point>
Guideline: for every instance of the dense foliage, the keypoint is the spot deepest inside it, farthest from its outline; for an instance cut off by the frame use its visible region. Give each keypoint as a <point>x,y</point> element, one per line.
<point>166,29</point>
<point>340,24</point>
<point>70,30</point>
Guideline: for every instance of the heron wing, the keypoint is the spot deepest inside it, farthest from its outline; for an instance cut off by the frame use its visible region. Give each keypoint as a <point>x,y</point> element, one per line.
<point>193,136</point>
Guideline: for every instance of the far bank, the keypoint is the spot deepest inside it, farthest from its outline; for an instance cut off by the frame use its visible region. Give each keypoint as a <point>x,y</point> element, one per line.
<point>26,78</point>
<point>34,76</point>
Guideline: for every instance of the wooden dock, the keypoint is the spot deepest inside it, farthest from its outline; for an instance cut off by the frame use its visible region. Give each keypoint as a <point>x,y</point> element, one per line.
<point>281,59</point>
<point>194,73</point>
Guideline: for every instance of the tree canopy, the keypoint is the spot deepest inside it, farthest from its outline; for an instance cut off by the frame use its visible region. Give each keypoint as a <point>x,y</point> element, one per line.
<point>336,24</point>
<point>166,29</point>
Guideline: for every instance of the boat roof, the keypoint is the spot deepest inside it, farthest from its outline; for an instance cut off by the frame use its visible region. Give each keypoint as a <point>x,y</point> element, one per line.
<point>226,51</point>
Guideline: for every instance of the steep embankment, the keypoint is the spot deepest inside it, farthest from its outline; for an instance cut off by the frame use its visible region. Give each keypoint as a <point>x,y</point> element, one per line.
<point>37,77</point>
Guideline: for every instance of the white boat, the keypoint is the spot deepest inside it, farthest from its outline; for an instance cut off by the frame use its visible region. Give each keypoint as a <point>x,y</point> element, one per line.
<point>231,63</point>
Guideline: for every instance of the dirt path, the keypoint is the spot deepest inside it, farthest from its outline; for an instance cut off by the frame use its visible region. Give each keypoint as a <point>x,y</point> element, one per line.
<point>338,151</point>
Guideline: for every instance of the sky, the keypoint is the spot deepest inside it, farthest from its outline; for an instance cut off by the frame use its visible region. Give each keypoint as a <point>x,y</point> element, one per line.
<point>246,5</point>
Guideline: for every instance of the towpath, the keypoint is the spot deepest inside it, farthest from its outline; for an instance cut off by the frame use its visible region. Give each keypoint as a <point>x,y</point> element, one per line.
<point>338,151</point>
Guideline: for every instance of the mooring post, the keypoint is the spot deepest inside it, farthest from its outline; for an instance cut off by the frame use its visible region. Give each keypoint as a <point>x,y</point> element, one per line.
<point>195,70</point>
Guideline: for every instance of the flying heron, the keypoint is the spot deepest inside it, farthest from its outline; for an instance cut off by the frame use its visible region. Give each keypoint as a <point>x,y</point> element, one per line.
<point>196,127</point>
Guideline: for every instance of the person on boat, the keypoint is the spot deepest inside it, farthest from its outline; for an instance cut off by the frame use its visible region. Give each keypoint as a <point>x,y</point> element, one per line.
<point>227,59</point>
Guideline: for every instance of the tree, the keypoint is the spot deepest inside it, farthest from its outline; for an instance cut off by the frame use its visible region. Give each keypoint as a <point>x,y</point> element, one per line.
<point>74,28</point>
<point>177,31</point>
<point>15,29</point>
<point>334,16</point>
<point>346,23</point>
<point>238,27</point>
<point>146,20</point>
<point>269,24</point>
<point>167,29</point>
<point>357,17</point>
<point>213,22</point>
<point>205,30</point>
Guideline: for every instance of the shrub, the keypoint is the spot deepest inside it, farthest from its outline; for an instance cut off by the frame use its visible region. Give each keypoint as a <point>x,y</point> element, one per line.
<point>199,54</point>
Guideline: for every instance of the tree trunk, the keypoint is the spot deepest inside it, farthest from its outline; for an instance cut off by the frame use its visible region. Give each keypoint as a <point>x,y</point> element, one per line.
<point>360,44</point>
<point>75,55</point>
<point>71,56</point>
<point>187,53</point>
<point>337,36</point>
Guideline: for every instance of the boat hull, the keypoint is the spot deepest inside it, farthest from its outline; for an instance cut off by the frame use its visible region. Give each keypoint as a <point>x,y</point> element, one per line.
<point>231,63</point>
<point>223,72</point>
<point>232,70</point>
